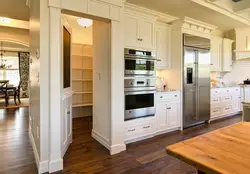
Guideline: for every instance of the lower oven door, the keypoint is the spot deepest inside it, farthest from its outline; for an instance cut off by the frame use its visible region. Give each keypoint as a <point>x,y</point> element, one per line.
<point>139,104</point>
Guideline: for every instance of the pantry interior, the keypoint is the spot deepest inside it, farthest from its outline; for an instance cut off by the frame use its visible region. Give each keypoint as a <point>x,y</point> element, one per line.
<point>90,76</point>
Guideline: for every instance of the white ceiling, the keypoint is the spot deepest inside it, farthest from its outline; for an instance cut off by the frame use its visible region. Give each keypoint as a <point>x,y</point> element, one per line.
<point>15,9</point>
<point>181,8</point>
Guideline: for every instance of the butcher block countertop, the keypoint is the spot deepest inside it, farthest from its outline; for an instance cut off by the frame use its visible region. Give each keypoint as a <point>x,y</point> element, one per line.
<point>225,150</point>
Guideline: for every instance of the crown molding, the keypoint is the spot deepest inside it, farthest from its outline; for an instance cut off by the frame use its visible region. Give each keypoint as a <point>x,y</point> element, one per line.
<point>230,13</point>
<point>161,17</point>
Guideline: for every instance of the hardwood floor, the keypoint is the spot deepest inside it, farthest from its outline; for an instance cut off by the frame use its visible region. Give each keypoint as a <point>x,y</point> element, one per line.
<point>15,149</point>
<point>86,155</point>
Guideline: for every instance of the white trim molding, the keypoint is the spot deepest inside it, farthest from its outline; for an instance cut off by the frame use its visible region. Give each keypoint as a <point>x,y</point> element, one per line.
<point>161,17</point>
<point>43,166</point>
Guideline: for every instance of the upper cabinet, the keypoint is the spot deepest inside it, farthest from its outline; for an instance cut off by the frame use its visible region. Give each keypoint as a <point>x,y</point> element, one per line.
<point>139,32</point>
<point>216,53</point>
<point>221,54</point>
<point>227,55</point>
<point>163,47</point>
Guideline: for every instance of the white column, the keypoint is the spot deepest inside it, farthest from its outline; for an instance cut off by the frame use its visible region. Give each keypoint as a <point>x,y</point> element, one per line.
<point>56,161</point>
<point>117,87</point>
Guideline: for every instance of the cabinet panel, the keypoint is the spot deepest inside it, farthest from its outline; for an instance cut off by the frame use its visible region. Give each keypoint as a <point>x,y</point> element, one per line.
<point>216,100</point>
<point>215,112</point>
<point>161,116</point>
<point>216,53</point>
<point>236,106</point>
<point>163,46</point>
<point>131,25</point>
<point>172,115</point>
<point>147,34</point>
<point>227,55</point>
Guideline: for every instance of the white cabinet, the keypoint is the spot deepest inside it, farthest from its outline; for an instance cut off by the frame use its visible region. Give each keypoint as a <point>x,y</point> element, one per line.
<point>139,33</point>
<point>242,39</point>
<point>216,53</point>
<point>163,47</point>
<point>227,55</point>
<point>225,101</point>
<point>167,111</point>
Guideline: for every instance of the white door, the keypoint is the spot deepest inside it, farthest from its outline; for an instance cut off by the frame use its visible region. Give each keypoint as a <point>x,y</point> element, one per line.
<point>172,115</point>
<point>236,103</point>
<point>161,116</point>
<point>131,30</point>
<point>66,119</point>
<point>147,34</point>
<point>216,53</point>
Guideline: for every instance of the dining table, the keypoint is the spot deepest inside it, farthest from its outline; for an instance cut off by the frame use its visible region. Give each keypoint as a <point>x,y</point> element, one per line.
<point>223,151</point>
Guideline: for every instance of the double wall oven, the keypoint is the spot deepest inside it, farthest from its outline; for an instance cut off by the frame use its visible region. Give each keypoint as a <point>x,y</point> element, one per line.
<point>139,84</point>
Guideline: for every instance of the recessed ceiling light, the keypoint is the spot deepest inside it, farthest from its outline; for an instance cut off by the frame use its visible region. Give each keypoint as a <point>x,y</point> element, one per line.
<point>5,20</point>
<point>83,22</point>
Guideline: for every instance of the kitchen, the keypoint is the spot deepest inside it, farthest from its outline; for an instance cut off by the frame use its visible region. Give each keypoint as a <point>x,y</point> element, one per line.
<point>187,89</point>
<point>148,75</point>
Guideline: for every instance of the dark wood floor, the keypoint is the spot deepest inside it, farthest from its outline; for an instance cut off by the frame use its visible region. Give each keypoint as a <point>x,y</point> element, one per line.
<point>16,154</point>
<point>86,155</point>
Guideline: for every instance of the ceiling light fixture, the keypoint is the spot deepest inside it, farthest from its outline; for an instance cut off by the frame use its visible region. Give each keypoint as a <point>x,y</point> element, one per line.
<point>83,22</point>
<point>5,20</point>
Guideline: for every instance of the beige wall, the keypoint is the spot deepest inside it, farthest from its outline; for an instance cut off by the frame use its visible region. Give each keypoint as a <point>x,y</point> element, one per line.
<point>14,34</point>
<point>79,34</point>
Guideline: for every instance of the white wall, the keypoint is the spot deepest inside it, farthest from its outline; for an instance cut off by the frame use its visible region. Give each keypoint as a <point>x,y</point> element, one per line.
<point>15,35</point>
<point>79,34</point>
<point>102,82</point>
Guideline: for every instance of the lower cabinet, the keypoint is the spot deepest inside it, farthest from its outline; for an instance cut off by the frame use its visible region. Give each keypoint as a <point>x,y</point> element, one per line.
<point>166,119</point>
<point>225,101</point>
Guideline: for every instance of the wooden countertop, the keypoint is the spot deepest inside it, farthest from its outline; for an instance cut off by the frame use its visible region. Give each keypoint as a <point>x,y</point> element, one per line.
<point>226,150</point>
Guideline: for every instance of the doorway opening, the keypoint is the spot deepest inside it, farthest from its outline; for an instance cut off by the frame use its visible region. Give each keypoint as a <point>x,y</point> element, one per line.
<point>86,129</point>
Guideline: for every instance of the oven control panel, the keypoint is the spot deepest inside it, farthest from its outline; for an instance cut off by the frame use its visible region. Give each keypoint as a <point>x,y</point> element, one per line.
<point>133,83</point>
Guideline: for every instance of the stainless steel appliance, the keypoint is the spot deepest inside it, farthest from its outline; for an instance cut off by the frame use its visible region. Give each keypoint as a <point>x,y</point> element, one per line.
<point>139,63</point>
<point>139,98</point>
<point>196,80</point>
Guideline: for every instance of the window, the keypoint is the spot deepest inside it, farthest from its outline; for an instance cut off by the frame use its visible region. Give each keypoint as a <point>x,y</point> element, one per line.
<point>10,61</point>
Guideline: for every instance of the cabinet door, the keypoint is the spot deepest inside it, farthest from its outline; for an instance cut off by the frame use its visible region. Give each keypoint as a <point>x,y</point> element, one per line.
<point>131,30</point>
<point>173,115</point>
<point>161,116</point>
<point>147,34</point>
<point>216,53</point>
<point>227,55</point>
<point>163,47</point>
<point>236,103</point>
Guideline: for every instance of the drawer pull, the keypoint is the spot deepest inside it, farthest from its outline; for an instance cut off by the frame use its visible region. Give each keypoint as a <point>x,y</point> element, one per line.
<point>68,112</point>
<point>175,95</point>
<point>131,130</point>
<point>169,108</point>
<point>216,111</point>
<point>161,96</point>
<point>146,127</point>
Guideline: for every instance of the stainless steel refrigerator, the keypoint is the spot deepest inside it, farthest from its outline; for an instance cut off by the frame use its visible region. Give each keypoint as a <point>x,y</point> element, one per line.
<point>196,60</point>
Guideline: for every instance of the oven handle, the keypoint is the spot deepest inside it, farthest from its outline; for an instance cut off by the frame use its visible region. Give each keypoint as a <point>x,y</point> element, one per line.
<point>150,58</point>
<point>141,92</point>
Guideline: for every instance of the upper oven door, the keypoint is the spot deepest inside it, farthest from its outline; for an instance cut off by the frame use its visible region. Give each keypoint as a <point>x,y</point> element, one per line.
<point>139,100</point>
<point>139,67</point>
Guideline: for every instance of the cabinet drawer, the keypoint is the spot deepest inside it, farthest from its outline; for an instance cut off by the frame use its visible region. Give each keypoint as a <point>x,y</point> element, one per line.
<point>216,111</point>
<point>227,109</point>
<point>227,99</point>
<point>215,100</point>
<point>132,130</point>
<point>167,97</point>
<point>147,127</point>
<point>215,92</point>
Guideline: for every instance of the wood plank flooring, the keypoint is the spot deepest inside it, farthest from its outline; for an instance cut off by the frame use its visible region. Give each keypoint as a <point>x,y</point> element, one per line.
<point>86,155</point>
<point>16,154</point>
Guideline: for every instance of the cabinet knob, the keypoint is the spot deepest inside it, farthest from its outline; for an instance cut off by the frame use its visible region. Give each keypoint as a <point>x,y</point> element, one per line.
<point>161,96</point>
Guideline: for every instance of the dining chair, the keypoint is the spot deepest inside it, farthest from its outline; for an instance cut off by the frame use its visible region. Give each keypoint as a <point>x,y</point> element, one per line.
<point>15,92</point>
<point>4,93</point>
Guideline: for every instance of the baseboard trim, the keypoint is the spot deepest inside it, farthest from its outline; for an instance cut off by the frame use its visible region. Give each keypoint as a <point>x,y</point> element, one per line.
<point>117,148</point>
<point>42,167</point>
<point>56,165</point>
<point>98,137</point>
<point>114,149</point>
<point>225,116</point>
<point>132,140</point>
<point>160,132</point>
